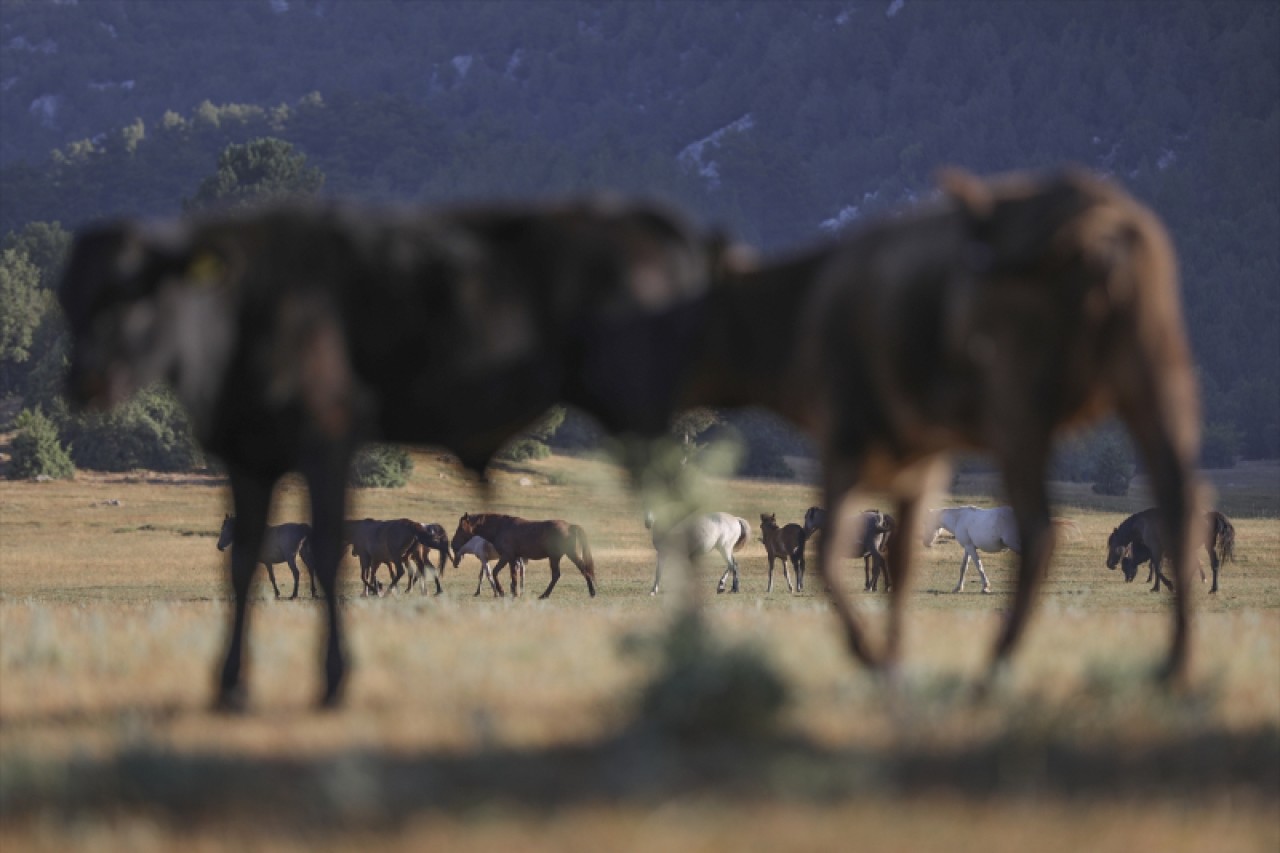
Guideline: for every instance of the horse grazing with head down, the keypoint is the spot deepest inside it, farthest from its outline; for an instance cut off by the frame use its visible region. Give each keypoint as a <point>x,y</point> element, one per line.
<point>281,543</point>
<point>518,540</point>
<point>785,543</point>
<point>292,333</point>
<point>871,544</point>
<point>1008,311</point>
<point>695,535</point>
<point>1138,540</point>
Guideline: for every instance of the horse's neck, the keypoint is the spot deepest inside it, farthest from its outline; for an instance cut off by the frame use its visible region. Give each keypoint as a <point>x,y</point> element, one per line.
<point>751,336</point>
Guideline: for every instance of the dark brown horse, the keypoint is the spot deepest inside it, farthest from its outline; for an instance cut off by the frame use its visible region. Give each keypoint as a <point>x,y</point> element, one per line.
<point>293,333</point>
<point>1137,540</point>
<point>519,539</point>
<point>281,543</point>
<point>1009,311</point>
<point>871,546</point>
<point>431,537</point>
<point>397,544</point>
<point>785,543</point>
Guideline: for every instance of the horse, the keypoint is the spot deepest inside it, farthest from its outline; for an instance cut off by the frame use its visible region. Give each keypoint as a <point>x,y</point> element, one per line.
<point>976,529</point>
<point>282,543</point>
<point>482,549</point>
<point>393,543</point>
<point>870,546</point>
<point>1137,540</point>
<point>431,537</point>
<point>696,535</point>
<point>786,543</point>
<point>517,539</point>
<point>291,333</point>
<point>1004,313</point>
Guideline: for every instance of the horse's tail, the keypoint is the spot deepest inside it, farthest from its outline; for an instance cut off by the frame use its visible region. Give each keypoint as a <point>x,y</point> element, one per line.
<point>581,548</point>
<point>1067,524</point>
<point>1225,534</point>
<point>744,535</point>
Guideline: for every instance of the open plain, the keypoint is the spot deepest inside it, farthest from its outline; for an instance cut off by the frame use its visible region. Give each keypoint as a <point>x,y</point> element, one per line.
<point>479,723</point>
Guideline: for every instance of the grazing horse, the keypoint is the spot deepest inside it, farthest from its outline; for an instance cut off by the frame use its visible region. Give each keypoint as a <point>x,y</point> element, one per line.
<point>518,540</point>
<point>1008,311</point>
<point>282,543</point>
<point>1137,540</point>
<point>696,535</point>
<point>786,543</point>
<point>871,545</point>
<point>294,332</point>
<point>482,549</point>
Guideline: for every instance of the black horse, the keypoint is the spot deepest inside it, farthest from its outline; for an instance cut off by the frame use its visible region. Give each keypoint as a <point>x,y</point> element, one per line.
<point>1137,540</point>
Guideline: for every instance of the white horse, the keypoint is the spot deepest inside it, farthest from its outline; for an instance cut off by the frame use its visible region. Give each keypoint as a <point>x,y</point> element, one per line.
<point>976,529</point>
<point>484,551</point>
<point>697,535</point>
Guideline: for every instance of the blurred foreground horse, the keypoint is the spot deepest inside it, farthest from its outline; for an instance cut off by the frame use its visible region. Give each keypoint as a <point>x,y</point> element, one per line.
<point>1010,310</point>
<point>293,333</point>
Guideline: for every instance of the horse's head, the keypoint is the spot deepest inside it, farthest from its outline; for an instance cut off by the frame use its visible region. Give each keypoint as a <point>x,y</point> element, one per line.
<point>768,521</point>
<point>228,530</point>
<point>461,536</point>
<point>814,517</point>
<point>1117,549</point>
<point>932,527</point>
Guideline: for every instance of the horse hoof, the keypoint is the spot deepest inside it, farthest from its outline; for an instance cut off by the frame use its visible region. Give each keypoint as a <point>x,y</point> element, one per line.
<point>986,590</point>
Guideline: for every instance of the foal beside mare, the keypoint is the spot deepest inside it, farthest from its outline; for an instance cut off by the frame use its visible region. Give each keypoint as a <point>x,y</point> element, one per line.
<point>785,543</point>
<point>1138,540</point>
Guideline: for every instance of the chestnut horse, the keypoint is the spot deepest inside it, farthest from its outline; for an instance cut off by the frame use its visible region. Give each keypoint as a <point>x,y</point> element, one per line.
<point>1009,311</point>
<point>517,539</point>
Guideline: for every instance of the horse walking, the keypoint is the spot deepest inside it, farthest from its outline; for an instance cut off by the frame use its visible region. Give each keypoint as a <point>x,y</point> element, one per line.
<point>518,539</point>
<point>282,543</point>
<point>697,535</point>
<point>785,543</point>
<point>976,529</point>
<point>1138,540</point>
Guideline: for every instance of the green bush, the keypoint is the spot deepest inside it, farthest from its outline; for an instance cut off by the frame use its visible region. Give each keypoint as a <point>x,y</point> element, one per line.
<point>150,431</point>
<point>36,450</point>
<point>381,466</point>
<point>523,450</point>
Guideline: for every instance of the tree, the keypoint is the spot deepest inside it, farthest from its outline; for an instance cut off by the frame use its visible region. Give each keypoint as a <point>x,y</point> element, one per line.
<point>36,451</point>
<point>22,306</point>
<point>263,169</point>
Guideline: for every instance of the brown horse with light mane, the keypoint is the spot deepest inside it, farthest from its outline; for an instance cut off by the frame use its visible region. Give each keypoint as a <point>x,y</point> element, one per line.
<point>520,539</point>
<point>1007,312</point>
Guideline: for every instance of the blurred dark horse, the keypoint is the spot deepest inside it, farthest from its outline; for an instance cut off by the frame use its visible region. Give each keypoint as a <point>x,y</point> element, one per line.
<point>401,544</point>
<point>281,543</point>
<point>1138,540</point>
<point>293,333</point>
<point>1010,310</point>
<point>518,540</point>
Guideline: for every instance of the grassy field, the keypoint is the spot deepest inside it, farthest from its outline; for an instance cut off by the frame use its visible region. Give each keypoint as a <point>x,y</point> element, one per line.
<point>473,723</point>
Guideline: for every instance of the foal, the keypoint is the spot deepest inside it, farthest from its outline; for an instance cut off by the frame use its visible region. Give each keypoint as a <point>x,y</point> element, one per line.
<point>786,543</point>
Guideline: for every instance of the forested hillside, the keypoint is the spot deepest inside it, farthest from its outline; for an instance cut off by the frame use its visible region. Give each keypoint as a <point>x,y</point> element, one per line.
<point>779,121</point>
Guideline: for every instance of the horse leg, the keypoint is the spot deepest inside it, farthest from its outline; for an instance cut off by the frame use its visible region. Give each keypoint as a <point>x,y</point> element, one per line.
<point>769,587</point>
<point>869,579</point>
<point>1024,465</point>
<point>900,558</point>
<point>964,567</point>
<point>587,573</point>
<point>982,572</point>
<point>251,498</point>
<point>555,576</point>
<point>272,574</point>
<point>657,574</point>
<point>839,480</point>
<point>306,561</point>
<point>497,581</point>
<point>326,473</point>
<point>790,587</point>
<point>728,568</point>
<point>1214,564</point>
<point>293,567</point>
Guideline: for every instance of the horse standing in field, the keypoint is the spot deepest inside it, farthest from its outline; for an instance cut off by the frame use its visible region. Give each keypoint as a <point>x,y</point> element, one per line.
<point>482,549</point>
<point>282,543</point>
<point>519,540</point>
<point>785,543</point>
<point>871,545</point>
<point>292,333</point>
<point>1009,311</point>
<point>431,537</point>
<point>391,543</point>
<point>697,535</point>
<point>976,529</point>
<point>1137,540</point>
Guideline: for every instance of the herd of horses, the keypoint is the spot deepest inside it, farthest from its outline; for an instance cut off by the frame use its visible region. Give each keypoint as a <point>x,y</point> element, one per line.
<point>498,541</point>
<point>994,317</point>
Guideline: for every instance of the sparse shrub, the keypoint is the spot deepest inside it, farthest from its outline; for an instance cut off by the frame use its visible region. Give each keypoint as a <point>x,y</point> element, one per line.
<point>523,450</point>
<point>37,451</point>
<point>381,466</point>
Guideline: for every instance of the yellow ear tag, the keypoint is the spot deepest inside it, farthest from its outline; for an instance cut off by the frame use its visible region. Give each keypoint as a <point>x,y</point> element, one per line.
<point>206,269</point>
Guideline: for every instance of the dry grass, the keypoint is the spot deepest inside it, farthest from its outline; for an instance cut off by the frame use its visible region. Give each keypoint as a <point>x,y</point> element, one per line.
<point>478,724</point>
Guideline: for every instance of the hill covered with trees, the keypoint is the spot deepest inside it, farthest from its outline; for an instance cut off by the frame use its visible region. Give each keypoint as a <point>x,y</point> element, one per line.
<point>782,122</point>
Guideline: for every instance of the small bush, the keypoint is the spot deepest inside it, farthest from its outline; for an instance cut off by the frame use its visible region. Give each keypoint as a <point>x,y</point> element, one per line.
<point>150,431</point>
<point>523,450</point>
<point>37,451</point>
<point>381,466</point>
